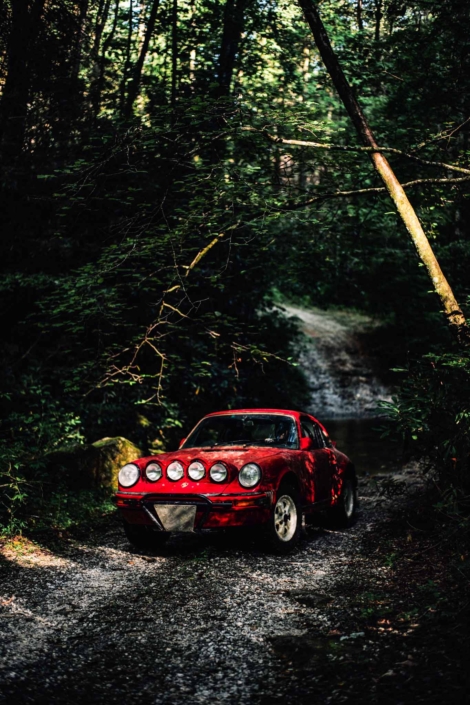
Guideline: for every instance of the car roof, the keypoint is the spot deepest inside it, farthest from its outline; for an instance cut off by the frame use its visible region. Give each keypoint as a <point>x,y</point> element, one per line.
<point>289,412</point>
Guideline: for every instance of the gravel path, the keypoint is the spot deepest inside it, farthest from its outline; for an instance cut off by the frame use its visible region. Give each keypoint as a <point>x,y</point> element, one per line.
<point>208,620</point>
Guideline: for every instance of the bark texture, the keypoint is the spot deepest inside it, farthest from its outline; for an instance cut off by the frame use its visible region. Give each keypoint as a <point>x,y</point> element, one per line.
<point>441,286</point>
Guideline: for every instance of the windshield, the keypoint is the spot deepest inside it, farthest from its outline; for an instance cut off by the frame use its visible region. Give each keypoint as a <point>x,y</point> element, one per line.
<point>272,430</point>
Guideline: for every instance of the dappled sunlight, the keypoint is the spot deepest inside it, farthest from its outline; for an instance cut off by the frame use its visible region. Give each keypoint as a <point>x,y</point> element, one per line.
<point>26,553</point>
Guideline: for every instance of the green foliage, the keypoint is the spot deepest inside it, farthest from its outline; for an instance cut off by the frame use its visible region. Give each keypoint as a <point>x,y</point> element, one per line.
<point>432,414</point>
<point>64,509</point>
<point>37,423</point>
<point>144,251</point>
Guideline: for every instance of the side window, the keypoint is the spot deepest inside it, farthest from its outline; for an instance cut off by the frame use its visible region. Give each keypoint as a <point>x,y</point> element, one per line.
<point>319,436</point>
<point>310,430</point>
<point>326,439</point>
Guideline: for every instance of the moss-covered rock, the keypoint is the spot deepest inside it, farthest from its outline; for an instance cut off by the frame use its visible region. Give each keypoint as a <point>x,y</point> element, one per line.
<point>111,454</point>
<point>92,466</point>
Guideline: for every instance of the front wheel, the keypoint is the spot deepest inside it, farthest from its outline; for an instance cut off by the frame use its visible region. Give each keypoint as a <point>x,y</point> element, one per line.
<point>144,537</point>
<point>342,515</point>
<point>283,529</point>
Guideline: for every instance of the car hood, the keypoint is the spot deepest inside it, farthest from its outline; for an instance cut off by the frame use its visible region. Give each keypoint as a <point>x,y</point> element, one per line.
<point>231,455</point>
<point>234,459</point>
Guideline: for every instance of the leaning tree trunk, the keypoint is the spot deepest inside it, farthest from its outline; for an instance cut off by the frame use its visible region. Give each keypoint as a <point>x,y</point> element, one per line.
<point>406,211</point>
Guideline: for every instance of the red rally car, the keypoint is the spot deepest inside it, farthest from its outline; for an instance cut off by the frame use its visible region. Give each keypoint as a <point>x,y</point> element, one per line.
<point>250,467</point>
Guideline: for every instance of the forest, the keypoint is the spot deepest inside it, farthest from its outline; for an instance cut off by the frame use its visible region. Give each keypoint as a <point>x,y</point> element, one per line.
<point>174,175</point>
<point>171,170</point>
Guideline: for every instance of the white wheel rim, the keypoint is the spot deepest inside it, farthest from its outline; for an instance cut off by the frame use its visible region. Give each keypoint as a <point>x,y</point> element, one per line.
<point>348,499</point>
<point>285,518</point>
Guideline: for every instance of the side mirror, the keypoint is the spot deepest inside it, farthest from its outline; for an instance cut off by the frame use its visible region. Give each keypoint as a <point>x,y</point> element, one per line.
<point>306,443</point>
<point>181,442</point>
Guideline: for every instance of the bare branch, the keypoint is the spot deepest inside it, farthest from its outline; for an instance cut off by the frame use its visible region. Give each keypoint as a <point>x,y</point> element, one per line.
<point>203,252</point>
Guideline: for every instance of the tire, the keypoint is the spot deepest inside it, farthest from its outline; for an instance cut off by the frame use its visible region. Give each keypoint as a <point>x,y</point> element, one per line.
<point>343,514</point>
<point>144,537</point>
<point>282,532</point>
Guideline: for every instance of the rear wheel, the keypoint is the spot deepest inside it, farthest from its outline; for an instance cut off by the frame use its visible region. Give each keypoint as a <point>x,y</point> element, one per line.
<point>283,529</point>
<point>342,515</point>
<point>145,537</point>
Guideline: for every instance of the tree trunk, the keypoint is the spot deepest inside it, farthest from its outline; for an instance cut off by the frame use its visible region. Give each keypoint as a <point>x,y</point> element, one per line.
<point>441,286</point>
<point>234,20</point>
<point>25,27</point>
<point>96,88</point>
<point>81,33</point>
<point>127,63</point>
<point>137,73</point>
<point>193,52</point>
<point>174,56</point>
<point>378,19</point>
<point>360,23</point>
<point>100,22</point>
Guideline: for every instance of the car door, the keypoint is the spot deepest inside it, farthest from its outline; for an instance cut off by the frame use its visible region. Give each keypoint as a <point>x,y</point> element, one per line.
<point>317,463</point>
<point>335,462</point>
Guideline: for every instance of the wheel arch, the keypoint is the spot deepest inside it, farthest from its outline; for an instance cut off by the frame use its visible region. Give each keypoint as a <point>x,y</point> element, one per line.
<point>290,479</point>
<point>350,471</point>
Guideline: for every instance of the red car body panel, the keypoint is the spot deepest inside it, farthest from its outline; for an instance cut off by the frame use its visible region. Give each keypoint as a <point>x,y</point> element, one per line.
<point>317,473</point>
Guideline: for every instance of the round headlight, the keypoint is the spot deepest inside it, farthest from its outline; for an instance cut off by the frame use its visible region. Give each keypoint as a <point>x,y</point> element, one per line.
<point>153,472</point>
<point>218,472</point>
<point>175,470</point>
<point>250,475</point>
<point>128,475</point>
<point>196,470</point>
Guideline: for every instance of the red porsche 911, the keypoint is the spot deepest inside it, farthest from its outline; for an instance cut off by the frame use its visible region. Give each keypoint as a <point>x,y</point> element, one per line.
<point>261,468</point>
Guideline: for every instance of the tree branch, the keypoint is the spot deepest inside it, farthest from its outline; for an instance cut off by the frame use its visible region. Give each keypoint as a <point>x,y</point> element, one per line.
<point>344,148</point>
<point>203,252</point>
<point>372,189</point>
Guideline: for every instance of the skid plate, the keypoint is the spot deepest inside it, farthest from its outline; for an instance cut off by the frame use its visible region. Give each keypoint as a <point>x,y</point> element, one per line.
<point>176,517</point>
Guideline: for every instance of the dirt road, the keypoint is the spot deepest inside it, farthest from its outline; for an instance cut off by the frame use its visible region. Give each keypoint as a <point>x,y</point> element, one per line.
<point>91,621</point>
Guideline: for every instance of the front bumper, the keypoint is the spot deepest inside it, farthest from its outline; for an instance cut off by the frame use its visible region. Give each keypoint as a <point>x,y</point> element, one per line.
<point>212,511</point>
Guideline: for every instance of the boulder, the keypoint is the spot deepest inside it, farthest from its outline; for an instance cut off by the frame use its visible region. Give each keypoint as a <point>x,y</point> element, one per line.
<point>111,454</point>
<point>92,466</point>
